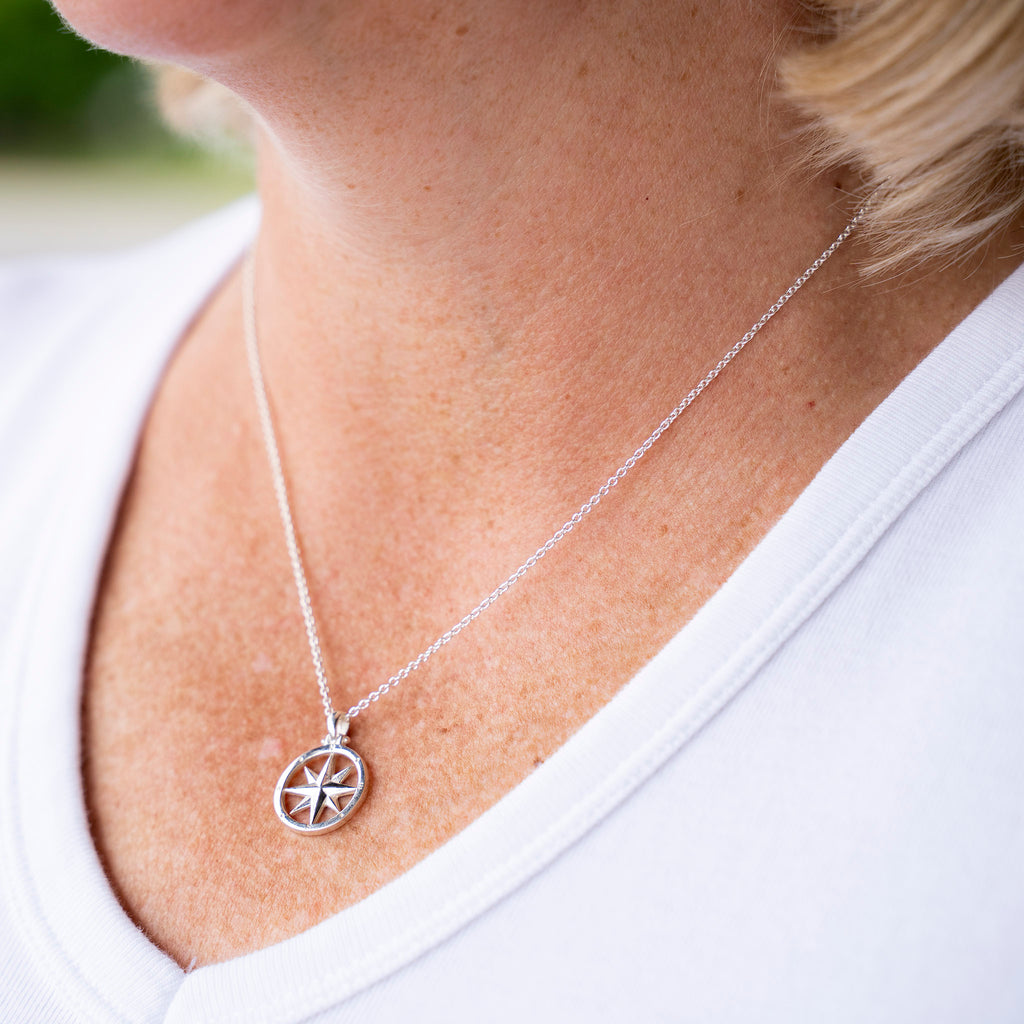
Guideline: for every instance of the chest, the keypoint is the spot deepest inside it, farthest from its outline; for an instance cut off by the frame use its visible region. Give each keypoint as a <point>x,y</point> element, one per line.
<point>200,691</point>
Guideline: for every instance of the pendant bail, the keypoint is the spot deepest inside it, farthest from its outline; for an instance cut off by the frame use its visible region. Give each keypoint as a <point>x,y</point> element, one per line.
<point>337,728</point>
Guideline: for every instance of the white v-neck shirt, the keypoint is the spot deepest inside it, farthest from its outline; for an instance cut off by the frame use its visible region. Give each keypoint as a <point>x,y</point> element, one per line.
<point>808,807</point>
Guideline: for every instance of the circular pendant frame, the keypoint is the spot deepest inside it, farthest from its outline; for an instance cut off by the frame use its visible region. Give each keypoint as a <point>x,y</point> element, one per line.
<point>328,762</point>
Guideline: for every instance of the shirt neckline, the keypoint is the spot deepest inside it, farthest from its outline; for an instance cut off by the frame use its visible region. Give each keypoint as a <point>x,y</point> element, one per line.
<point>832,524</point>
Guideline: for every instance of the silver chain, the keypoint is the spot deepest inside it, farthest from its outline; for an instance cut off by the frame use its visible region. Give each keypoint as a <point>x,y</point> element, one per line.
<point>273,453</point>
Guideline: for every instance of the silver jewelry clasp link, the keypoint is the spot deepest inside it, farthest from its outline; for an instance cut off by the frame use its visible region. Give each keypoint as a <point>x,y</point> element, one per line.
<point>337,729</point>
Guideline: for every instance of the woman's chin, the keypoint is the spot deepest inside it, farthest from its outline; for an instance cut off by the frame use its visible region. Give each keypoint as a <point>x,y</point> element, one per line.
<point>177,31</point>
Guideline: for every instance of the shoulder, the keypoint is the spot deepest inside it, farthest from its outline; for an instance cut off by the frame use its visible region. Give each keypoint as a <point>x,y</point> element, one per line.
<point>83,342</point>
<point>54,308</point>
<point>41,301</point>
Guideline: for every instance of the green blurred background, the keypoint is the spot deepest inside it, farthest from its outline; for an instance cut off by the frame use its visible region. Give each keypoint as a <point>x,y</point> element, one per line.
<point>84,160</point>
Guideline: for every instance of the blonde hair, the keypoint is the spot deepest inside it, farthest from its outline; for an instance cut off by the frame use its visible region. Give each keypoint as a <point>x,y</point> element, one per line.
<point>926,99</point>
<point>200,109</point>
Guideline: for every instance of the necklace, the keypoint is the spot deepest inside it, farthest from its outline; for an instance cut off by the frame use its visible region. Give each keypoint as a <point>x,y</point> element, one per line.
<point>322,788</point>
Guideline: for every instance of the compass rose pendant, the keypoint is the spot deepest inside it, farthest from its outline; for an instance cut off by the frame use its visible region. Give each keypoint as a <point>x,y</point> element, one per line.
<point>322,788</point>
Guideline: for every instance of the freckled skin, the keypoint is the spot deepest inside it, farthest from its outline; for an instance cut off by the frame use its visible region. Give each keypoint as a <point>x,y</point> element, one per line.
<point>483,277</point>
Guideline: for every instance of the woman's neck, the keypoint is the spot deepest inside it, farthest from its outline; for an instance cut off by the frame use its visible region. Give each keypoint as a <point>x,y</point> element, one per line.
<point>535,224</point>
<point>503,207</point>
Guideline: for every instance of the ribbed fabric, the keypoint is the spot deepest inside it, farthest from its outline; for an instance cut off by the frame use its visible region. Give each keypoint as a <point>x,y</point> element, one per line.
<point>807,807</point>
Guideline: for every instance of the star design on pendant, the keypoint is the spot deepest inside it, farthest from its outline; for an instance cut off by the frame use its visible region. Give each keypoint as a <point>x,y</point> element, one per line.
<point>322,790</point>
